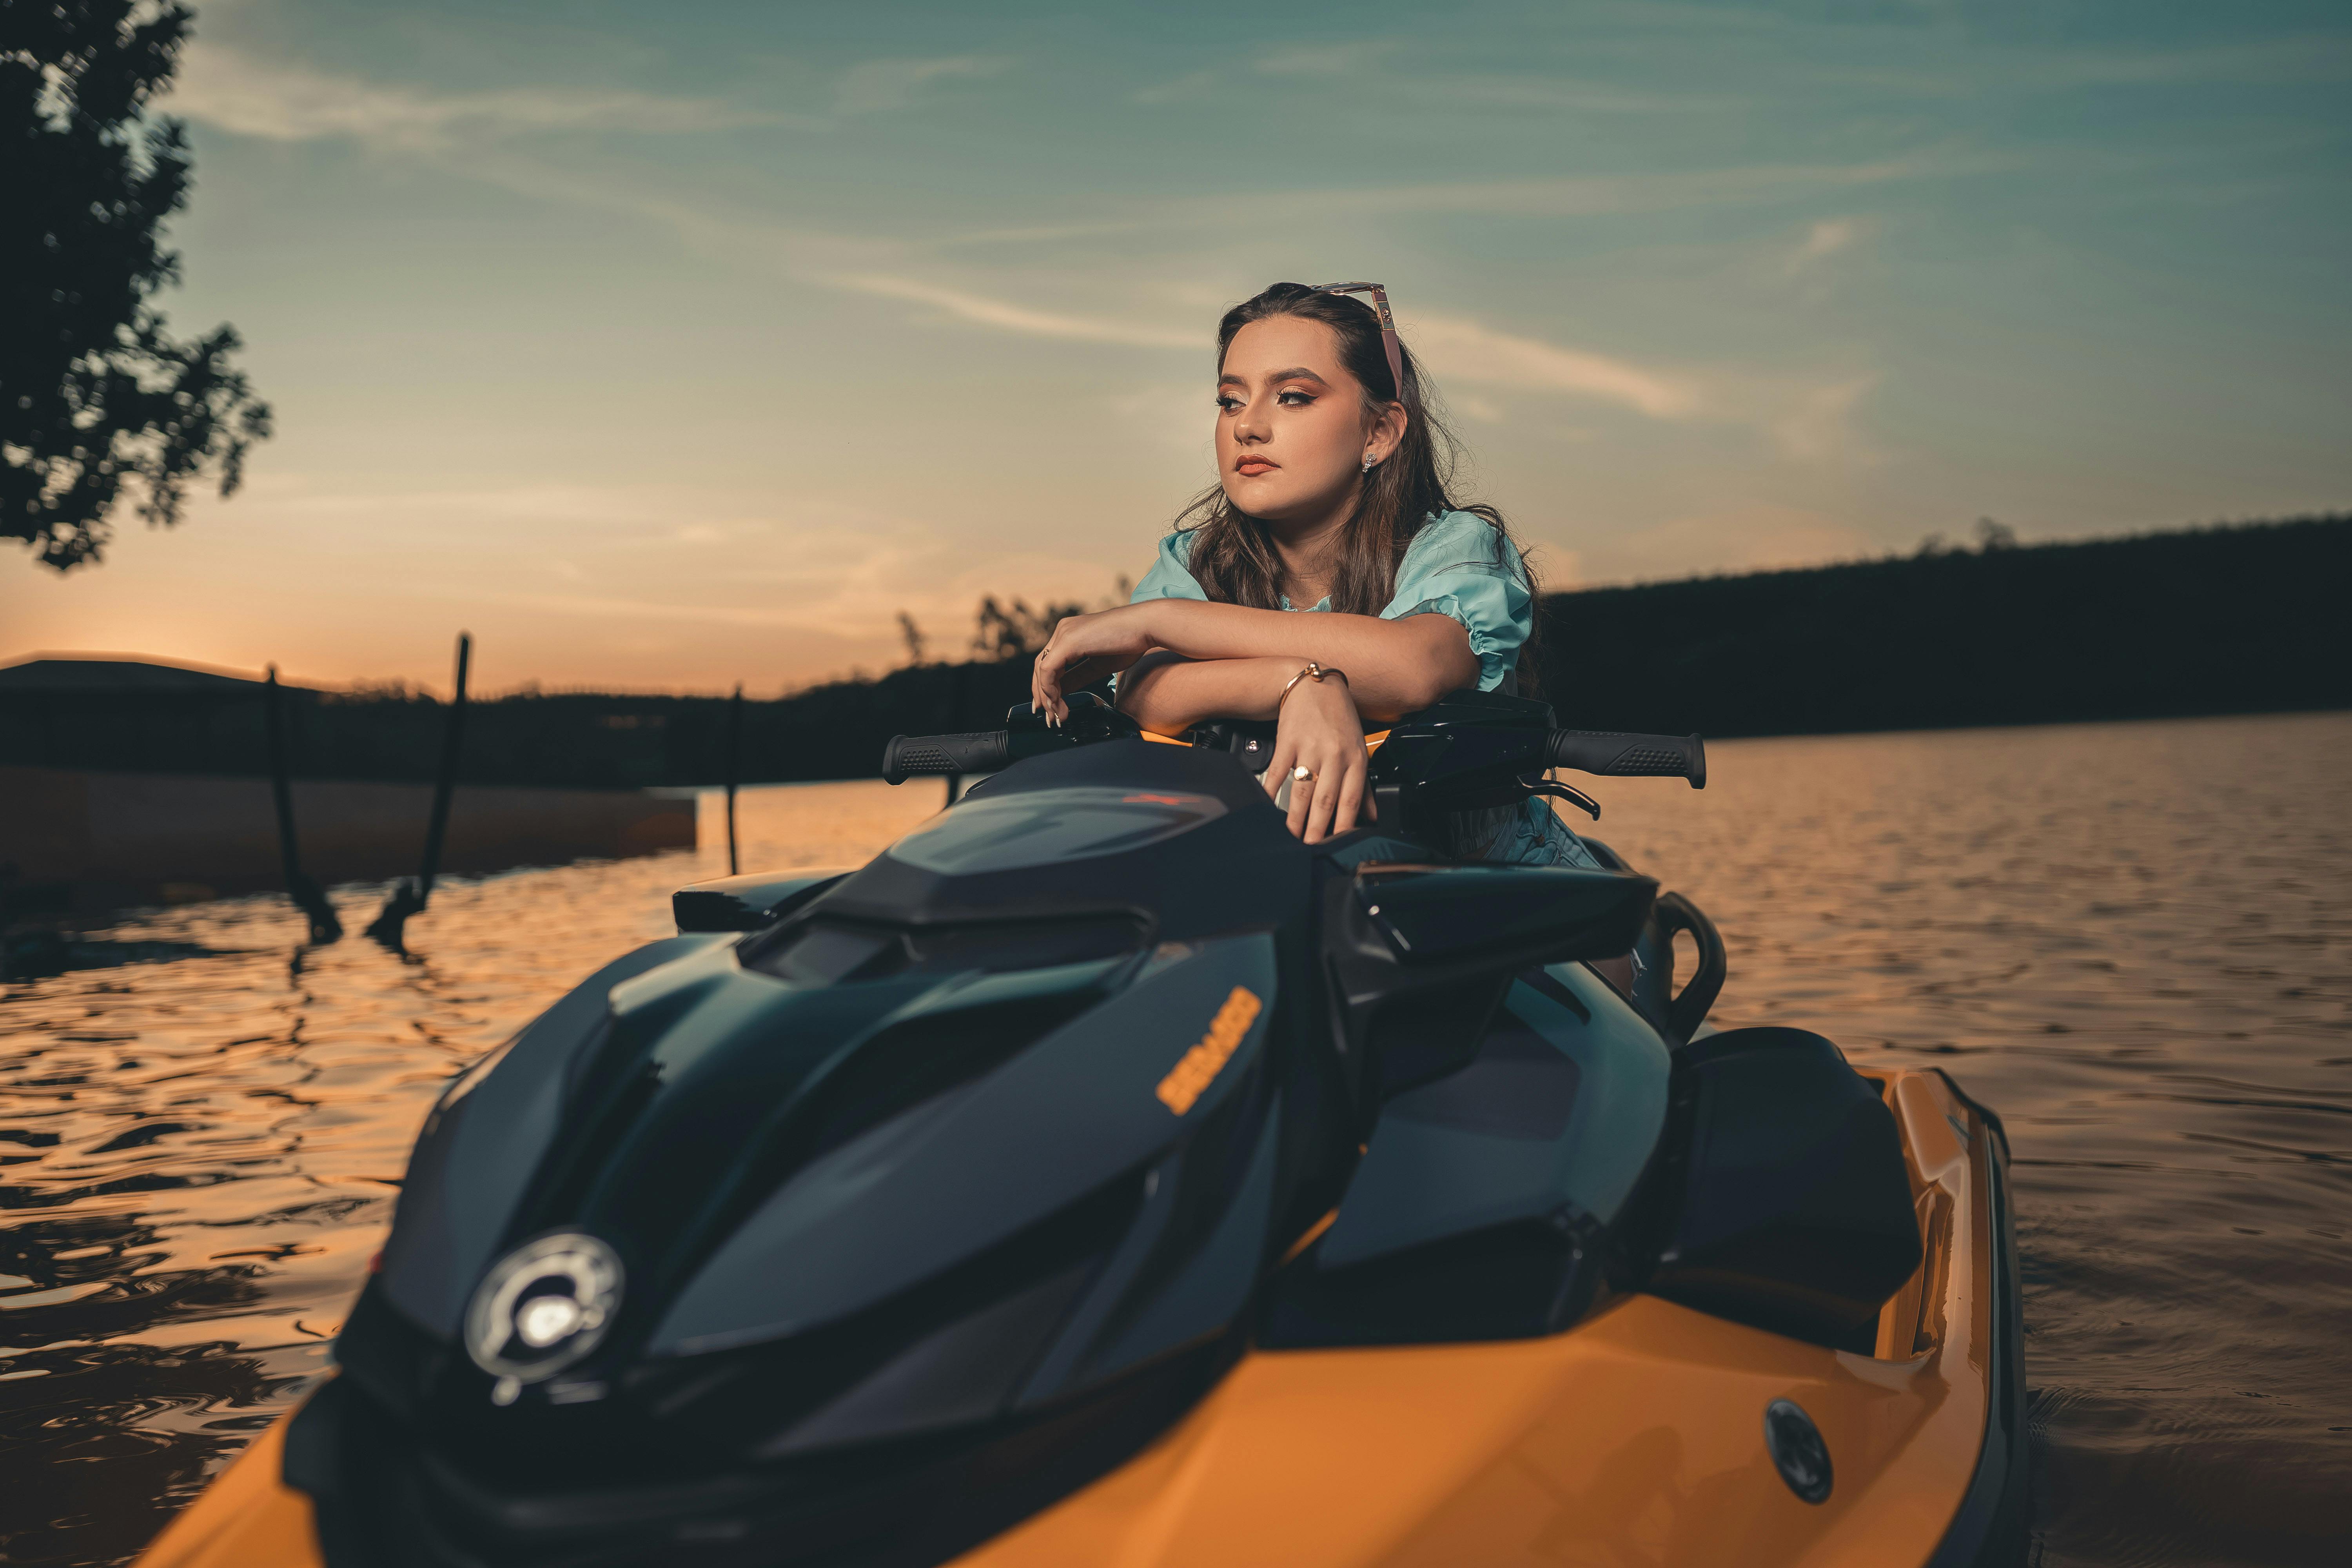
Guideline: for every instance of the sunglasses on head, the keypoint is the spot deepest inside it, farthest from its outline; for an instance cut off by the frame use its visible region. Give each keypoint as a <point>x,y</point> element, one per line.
<point>1388,326</point>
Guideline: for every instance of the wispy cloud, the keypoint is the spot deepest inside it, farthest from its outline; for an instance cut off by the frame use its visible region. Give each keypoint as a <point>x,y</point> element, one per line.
<point>242,93</point>
<point>1042,233</point>
<point>1569,196</point>
<point>1559,94</point>
<point>1190,85</point>
<point>1325,60</point>
<point>1012,318</point>
<point>2288,60</point>
<point>235,91</point>
<point>1588,196</point>
<point>2267,62</point>
<point>1806,419</point>
<point>1825,239</point>
<point>877,86</point>
<point>1574,195</point>
<point>1461,349</point>
<point>1816,424</point>
<point>601,606</point>
<point>1422,89</point>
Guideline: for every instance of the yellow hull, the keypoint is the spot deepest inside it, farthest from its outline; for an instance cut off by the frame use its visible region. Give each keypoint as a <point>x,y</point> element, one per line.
<point>1636,1437</point>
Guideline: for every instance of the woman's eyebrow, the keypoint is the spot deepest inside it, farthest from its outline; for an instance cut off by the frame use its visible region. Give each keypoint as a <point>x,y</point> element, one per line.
<point>1296,373</point>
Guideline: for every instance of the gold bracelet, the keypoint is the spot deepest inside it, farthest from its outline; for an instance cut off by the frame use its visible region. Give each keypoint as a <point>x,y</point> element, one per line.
<point>1314,672</point>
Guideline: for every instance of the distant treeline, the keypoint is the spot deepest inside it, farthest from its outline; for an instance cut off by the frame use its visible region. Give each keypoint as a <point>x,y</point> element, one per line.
<point>2247,618</point>
<point>2243,619</point>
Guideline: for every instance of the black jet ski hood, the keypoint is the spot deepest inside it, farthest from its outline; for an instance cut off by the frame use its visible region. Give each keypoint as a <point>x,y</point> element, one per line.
<point>991,1123</point>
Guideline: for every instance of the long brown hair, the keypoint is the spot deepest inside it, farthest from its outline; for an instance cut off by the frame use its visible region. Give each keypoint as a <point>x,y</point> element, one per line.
<point>1232,557</point>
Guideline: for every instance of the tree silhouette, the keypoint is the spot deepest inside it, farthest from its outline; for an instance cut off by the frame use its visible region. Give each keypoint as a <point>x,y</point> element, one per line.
<point>1014,630</point>
<point>98,403</point>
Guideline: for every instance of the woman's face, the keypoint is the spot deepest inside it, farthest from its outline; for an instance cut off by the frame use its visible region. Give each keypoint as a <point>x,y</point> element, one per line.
<point>1292,436</point>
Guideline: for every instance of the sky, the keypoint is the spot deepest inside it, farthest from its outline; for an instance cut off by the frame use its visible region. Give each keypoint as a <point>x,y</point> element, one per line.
<point>669,346</point>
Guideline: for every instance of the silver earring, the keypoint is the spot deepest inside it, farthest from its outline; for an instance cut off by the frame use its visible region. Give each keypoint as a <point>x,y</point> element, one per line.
<point>1368,465</point>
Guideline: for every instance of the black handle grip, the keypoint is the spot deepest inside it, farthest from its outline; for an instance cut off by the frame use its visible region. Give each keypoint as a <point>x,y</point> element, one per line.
<point>1630,756</point>
<point>980,752</point>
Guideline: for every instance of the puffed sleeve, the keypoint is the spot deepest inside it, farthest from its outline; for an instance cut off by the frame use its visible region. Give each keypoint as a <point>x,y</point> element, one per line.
<point>1459,566</point>
<point>1170,577</point>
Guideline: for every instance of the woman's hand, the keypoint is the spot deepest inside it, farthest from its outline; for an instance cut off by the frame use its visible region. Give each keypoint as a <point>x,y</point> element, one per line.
<point>1082,650</point>
<point>1319,731</point>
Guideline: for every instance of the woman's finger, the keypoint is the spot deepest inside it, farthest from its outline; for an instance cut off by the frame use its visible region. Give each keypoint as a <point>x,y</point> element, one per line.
<point>1278,766</point>
<point>1349,809</point>
<point>1041,687</point>
<point>1330,778</point>
<point>1048,677</point>
<point>1302,799</point>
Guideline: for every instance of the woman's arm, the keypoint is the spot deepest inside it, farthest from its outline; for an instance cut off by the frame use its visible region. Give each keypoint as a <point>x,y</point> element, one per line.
<point>1392,667</point>
<point>1168,694</point>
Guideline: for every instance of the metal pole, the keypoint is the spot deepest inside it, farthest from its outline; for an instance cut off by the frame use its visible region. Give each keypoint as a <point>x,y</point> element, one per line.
<point>308,898</point>
<point>409,897</point>
<point>447,782</point>
<point>280,785</point>
<point>734,770</point>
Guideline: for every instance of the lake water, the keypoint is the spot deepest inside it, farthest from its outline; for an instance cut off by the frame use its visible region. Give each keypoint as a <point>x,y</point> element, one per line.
<point>2135,940</point>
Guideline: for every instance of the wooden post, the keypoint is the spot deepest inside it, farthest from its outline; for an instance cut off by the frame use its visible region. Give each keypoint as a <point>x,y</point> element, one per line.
<point>412,894</point>
<point>446,784</point>
<point>307,895</point>
<point>734,770</point>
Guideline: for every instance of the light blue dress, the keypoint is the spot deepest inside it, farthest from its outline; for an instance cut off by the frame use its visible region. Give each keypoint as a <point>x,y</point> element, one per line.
<point>1452,568</point>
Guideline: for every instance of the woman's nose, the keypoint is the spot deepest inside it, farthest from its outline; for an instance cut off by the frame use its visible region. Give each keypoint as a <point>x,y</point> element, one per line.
<point>1250,425</point>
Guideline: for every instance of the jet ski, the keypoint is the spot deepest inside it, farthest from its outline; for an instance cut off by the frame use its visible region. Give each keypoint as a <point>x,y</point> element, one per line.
<point>1101,1174</point>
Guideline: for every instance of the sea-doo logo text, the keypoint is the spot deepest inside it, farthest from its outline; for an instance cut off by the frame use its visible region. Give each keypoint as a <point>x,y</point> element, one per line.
<point>544,1307</point>
<point>1200,1065</point>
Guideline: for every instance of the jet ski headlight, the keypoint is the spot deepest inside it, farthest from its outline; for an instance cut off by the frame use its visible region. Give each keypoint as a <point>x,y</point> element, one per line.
<point>544,1307</point>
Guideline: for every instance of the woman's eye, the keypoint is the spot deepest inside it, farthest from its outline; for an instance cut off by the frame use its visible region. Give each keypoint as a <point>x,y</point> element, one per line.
<point>1293,399</point>
<point>1228,403</point>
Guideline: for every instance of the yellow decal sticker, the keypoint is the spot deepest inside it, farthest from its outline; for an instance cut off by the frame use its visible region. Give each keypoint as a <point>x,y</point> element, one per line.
<point>1201,1064</point>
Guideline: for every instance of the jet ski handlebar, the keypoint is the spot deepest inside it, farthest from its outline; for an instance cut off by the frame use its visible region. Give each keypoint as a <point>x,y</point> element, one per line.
<point>1615,756</point>
<point>976,751</point>
<point>1504,742</point>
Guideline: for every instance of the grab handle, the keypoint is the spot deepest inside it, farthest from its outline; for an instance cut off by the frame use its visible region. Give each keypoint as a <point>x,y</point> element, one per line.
<point>1615,756</point>
<point>979,751</point>
<point>1688,1007</point>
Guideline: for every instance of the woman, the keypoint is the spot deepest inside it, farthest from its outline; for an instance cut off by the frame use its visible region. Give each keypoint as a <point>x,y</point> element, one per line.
<point>1330,498</point>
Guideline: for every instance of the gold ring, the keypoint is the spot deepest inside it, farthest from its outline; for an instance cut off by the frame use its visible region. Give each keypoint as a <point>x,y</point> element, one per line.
<point>1303,774</point>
